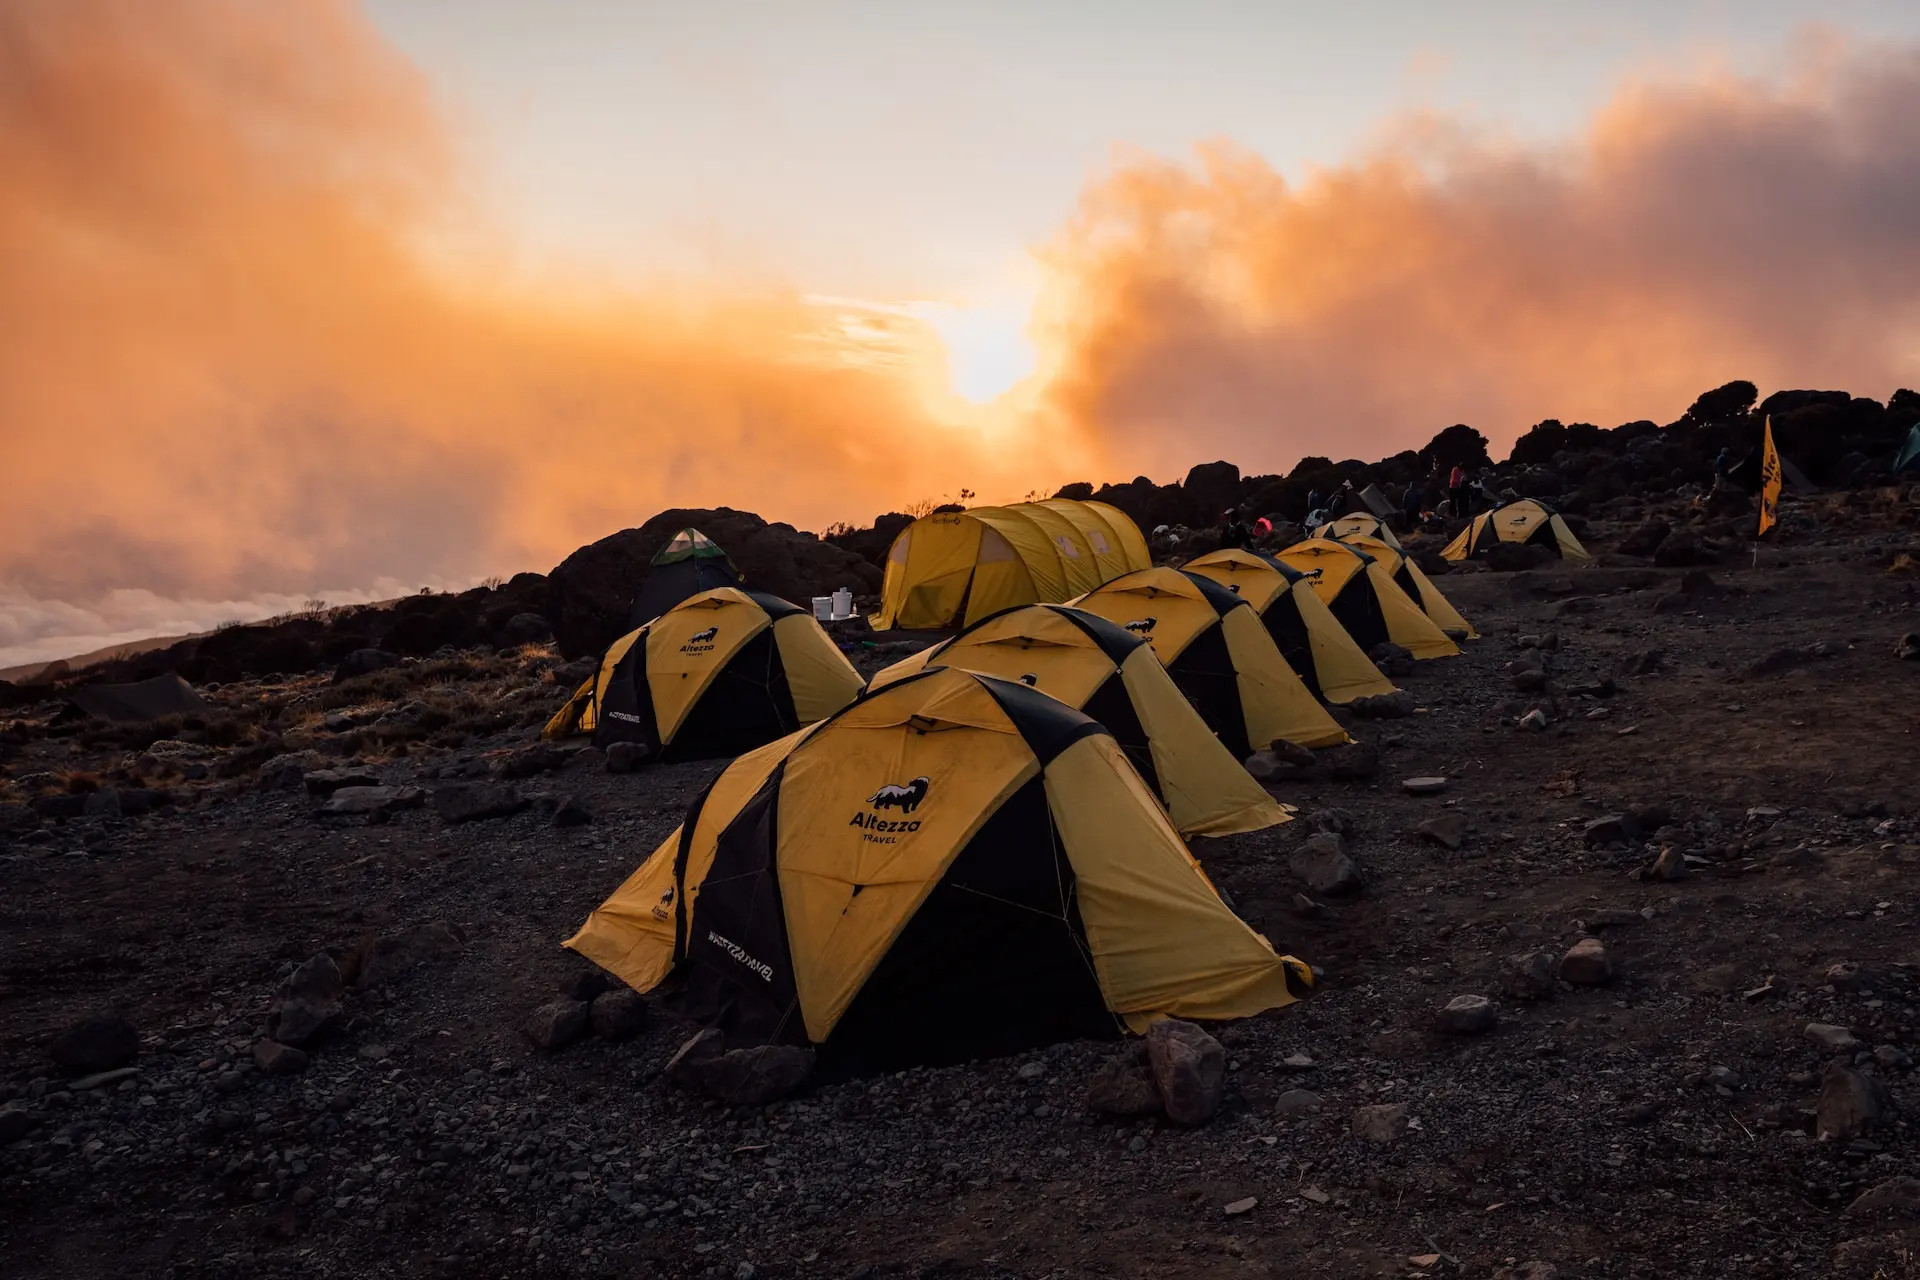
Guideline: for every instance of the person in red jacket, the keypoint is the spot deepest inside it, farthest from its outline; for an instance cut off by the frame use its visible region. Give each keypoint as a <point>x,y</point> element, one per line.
<point>1457,489</point>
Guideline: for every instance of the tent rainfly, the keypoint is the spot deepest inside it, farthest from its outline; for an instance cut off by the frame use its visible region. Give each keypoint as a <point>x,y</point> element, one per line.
<point>1527,520</point>
<point>690,563</point>
<point>718,674</point>
<point>1370,605</point>
<point>954,568</point>
<point>1097,668</point>
<point>1309,637</point>
<point>1219,654</point>
<point>953,867</point>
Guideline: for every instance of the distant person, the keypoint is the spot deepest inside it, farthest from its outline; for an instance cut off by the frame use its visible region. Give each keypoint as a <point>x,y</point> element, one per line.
<point>1313,501</point>
<point>1410,504</point>
<point>1457,489</point>
<point>1722,463</point>
<point>1234,531</point>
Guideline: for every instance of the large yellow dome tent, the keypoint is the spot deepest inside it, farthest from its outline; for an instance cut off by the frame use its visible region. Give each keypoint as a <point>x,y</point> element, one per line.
<point>1419,587</point>
<point>1370,605</point>
<point>954,867</point>
<point>1095,667</point>
<point>1309,637</point>
<point>721,672</point>
<point>1213,645</point>
<point>1528,520</point>
<point>954,568</point>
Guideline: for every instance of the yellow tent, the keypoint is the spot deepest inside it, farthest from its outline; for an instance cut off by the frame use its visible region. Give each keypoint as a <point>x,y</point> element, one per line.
<point>1419,587</point>
<point>957,567</point>
<point>1362,522</point>
<point>1369,604</point>
<point>954,867</point>
<point>1309,637</point>
<point>1528,520</point>
<point>1095,667</point>
<point>721,672</point>
<point>1219,654</point>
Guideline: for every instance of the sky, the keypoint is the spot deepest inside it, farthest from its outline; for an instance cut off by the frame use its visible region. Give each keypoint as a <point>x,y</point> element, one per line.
<point>332,300</point>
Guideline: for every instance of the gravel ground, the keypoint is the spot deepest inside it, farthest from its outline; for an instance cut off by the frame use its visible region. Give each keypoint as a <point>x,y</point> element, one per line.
<point>1665,1122</point>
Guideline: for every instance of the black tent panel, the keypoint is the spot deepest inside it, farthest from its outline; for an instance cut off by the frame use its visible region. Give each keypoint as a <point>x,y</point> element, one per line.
<point>994,962</point>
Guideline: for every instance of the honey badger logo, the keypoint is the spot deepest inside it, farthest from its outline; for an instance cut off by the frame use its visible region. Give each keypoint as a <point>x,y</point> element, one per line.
<point>1142,626</point>
<point>906,799</point>
<point>702,637</point>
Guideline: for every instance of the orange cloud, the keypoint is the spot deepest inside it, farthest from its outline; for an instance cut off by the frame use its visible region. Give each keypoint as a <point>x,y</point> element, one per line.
<point>1698,232</point>
<point>248,342</point>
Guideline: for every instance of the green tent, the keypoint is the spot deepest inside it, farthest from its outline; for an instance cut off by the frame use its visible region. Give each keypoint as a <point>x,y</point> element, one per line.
<point>1908,459</point>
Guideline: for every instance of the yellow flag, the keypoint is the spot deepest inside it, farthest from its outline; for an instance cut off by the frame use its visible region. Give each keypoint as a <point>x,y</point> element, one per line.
<point>1769,483</point>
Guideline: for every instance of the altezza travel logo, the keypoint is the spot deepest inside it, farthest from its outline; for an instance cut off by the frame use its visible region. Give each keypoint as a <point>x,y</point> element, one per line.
<point>1143,626</point>
<point>877,829</point>
<point>700,641</point>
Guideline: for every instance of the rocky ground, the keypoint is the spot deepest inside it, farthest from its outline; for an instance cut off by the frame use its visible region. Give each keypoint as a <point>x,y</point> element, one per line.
<point>1726,1091</point>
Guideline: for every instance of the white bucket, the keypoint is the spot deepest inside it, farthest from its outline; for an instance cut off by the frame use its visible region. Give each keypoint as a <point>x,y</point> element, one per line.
<point>842,604</point>
<point>823,608</point>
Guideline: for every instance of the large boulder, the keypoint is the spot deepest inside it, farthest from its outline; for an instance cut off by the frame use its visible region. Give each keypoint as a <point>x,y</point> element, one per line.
<point>590,592</point>
<point>1211,487</point>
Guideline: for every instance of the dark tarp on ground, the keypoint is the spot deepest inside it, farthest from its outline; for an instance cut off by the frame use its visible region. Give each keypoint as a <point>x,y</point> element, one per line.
<point>689,564</point>
<point>166,695</point>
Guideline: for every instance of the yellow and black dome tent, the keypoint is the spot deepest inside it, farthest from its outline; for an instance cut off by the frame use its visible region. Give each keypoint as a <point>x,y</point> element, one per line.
<point>1309,637</point>
<point>954,867</point>
<point>719,673</point>
<point>1095,667</point>
<point>1362,522</point>
<point>1418,586</point>
<point>1369,604</point>
<point>1528,520</point>
<point>1221,657</point>
<point>953,568</point>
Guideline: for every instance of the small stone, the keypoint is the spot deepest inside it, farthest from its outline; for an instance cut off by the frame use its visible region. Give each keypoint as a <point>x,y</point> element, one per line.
<point>1397,705</point>
<point>1614,828</point>
<point>1307,908</point>
<point>1469,1016</point>
<point>745,1271</point>
<point>307,1002</point>
<point>1123,1086</point>
<point>1322,864</point>
<point>1138,1144</point>
<point>1535,720</point>
<point>1723,1077</point>
<point>571,812</point>
<point>1890,1058</point>
<point>305,1196</point>
<point>1529,680</point>
<point>1380,1124</point>
<point>373,1053</point>
<point>626,757</point>
<point>1448,829</point>
<point>1586,963</point>
<point>1189,1069</point>
<point>1297,1062</point>
<point>1035,1070</point>
<point>1831,1039</point>
<point>1355,762</point>
<point>324,782</point>
<point>1237,1207</point>
<point>15,1124</point>
<point>755,1076</point>
<point>585,984</point>
<point>103,1080</point>
<point>1850,1104</point>
<point>1424,786</point>
<point>1295,1103</point>
<point>278,1059</point>
<point>1532,975</point>
<point>556,1025</point>
<point>1670,865</point>
<point>95,1044</point>
<point>477,801</point>
<point>620,1014</point>
<point>1895,1197</point>
<point>1844,977</point>
<point>370,801</point>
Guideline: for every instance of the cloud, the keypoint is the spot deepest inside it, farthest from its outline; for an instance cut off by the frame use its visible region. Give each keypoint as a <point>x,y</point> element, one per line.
<point>254,339</point>
<point>257,344</point>
<point>1697,232</point>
